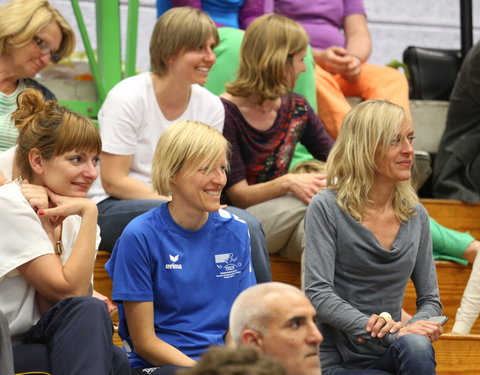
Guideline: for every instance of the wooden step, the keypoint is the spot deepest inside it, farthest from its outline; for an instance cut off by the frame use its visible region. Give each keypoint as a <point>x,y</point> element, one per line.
<point>452,279</point>
<point>101,280</point>
<point>454,214</point>
<point>285,270</point>
<point>116,338</point>
<point>103,285</point>
<point>458,354</point>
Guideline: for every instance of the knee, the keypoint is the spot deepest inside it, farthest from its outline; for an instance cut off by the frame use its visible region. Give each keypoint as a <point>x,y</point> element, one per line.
<point>253,224</point>
<point>417,345</point>
<point>86,307</point>
<point>395,75</point>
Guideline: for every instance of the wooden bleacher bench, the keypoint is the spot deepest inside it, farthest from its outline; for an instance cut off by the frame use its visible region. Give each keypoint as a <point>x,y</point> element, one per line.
<point>103,285</point>
<point>454,214</point>
<point>458,354</point>
<point>285,271</point>
<point>452,279</point>
<point>101,280</point>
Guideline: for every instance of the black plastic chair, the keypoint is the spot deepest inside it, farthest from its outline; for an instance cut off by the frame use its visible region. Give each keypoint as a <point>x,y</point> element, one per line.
<point>432,72</point>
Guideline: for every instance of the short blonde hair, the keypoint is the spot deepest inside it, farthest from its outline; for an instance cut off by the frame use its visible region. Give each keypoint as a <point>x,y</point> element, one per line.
<point>20,20</point>
<point>189,144</point>
<point>351,167</point>
<point>266,56</point>
<point>179,29</point>
<point>51,129</point>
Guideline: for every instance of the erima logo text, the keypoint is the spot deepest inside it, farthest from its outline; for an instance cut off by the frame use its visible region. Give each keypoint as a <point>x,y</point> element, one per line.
<point>173,265</point>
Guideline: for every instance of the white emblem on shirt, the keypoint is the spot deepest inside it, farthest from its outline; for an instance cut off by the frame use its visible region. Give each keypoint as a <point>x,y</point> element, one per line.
<point>173,265</point>
<point>228,265</point>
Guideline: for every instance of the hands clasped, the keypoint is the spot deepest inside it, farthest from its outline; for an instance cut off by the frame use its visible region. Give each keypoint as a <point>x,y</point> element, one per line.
<point>337,60</point>
<point>379,327</point>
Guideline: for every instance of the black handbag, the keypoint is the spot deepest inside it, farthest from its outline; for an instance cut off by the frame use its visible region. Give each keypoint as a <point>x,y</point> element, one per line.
<point>432,72</point>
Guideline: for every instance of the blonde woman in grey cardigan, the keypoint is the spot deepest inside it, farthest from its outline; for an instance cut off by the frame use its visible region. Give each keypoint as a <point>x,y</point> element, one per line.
<point>366,236</point>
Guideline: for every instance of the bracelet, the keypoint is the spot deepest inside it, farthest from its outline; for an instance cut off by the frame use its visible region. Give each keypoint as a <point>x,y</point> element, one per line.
<point>58,248</point>
<point>385,316</point>
<point>358,57</point>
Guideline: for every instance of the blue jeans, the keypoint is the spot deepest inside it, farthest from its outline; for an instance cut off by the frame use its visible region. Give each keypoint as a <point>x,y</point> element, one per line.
<point>407,355</point>
<point>115,214</point>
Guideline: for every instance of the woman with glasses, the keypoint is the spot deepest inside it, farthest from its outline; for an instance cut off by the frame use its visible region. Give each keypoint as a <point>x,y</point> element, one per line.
<point>32,34</point>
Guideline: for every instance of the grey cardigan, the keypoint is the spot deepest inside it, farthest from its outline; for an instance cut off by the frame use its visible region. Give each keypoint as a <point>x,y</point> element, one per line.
<point>349,276</point>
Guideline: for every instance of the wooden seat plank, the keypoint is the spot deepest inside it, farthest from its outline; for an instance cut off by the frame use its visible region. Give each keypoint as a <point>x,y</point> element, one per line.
<point>458,354</point>
<point>101,280</point>
<point>455,214</point>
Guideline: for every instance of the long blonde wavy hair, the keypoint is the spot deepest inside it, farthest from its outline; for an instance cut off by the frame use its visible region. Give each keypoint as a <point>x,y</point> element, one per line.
<point>351,167</point>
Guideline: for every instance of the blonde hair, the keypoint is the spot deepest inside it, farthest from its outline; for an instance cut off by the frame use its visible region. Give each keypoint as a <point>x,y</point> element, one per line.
<point>51,129</point>
<point>266,56</point>
<point>179,29</point>
<point>240,360</point>
<point>185,144</point>
<point>20,20</point>
<point>351,167</point>
<point>309,166</point>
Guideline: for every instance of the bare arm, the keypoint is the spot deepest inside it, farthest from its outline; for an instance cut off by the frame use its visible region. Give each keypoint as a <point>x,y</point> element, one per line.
<point>117,183</point>
<point>333,59</point>
<point>347,61</point>
<point>147,345</point>
<point>358,44</point>
<point>52,280</point>
<point>303,186</point>
<point>357,36</point>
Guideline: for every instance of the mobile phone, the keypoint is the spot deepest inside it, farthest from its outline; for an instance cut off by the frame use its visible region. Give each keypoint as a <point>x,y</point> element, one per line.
<point>442,319</point>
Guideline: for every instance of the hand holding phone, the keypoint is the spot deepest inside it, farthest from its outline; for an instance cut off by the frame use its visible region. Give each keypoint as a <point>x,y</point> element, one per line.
<point>442,319</point>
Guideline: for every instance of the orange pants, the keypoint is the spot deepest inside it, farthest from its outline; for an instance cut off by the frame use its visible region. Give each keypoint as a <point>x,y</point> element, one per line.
<point>374,82</point>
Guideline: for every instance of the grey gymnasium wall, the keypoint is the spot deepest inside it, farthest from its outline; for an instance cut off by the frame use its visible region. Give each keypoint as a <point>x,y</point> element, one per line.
<point>394,25</point>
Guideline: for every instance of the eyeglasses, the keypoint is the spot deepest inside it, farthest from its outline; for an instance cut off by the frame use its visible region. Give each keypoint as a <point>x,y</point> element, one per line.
<point>45,49</point>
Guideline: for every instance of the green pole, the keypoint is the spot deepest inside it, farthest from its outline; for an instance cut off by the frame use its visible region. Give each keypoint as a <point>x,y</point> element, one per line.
<point>89,51</point>
<point>108,44</point>
<point>132,32</point>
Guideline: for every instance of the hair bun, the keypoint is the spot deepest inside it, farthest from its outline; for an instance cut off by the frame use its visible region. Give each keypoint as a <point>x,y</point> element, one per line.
<point>30,103</point>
